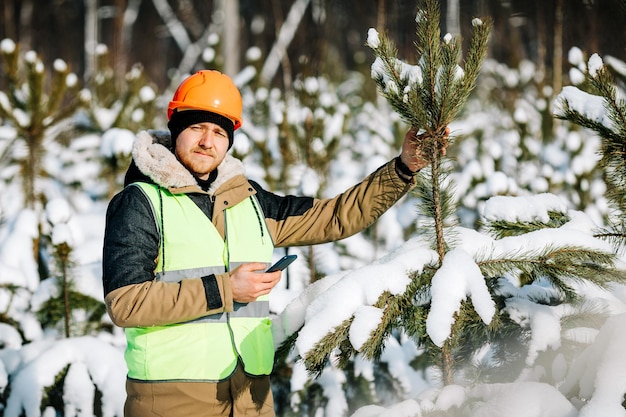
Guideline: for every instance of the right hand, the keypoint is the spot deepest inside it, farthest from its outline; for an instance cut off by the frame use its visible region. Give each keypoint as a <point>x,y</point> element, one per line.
<point>248,281</point>
<point>414,155</point>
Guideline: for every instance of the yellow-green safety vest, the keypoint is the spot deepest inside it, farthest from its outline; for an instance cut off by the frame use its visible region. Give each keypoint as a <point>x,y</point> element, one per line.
<point>208,348</point>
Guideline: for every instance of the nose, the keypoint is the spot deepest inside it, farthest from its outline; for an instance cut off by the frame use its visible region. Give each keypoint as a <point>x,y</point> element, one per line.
<point>207,139</point>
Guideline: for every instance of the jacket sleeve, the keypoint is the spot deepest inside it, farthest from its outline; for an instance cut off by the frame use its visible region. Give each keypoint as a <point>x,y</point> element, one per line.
<point>156,303</point>
<point>132,295</point>
<point>296,222</point>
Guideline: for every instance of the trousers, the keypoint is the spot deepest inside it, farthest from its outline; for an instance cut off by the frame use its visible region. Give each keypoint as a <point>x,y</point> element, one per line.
<point>239,395</point>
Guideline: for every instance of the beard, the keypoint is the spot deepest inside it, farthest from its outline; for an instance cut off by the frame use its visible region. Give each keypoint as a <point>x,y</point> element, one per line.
<point>200,162</point>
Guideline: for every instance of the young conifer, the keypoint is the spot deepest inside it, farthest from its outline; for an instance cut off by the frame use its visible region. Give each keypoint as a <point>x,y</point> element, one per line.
<point>603,110</point>
<point>517,264</point>
<point>38,111</point>
<point>113,105</point>
<point>428,96</point>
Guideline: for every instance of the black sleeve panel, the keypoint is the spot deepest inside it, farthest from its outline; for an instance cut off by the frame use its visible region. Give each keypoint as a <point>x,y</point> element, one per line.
<point>300,221</point>
<point>212,292</point>
<point>279,208</point>
<point>131,241</point>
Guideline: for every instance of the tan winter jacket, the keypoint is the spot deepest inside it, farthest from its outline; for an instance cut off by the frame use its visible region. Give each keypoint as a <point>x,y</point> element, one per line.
<point>133,296</point>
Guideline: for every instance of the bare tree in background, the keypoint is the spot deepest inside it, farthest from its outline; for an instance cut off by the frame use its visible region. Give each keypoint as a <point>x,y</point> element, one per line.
<point>23,9</point>
<point>191,34</point>
<point>453,17</point>
<point>169,37</point>
<point>380,18</point>
<point>557,72</point>
<point>230,36</point>
<point>91,37</point>
<point>284,38</point>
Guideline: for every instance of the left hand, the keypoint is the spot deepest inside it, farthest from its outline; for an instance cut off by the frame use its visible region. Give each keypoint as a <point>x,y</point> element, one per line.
<point>415,154</point>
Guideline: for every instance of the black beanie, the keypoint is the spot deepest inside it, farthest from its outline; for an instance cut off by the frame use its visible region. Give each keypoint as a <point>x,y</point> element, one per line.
<point>181,120</point>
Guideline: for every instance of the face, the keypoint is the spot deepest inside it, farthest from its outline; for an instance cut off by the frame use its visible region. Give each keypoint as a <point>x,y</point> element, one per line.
<point>201,147</point>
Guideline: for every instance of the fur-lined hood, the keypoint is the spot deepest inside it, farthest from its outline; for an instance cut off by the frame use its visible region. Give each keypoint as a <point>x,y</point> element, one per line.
<point>153,157</point>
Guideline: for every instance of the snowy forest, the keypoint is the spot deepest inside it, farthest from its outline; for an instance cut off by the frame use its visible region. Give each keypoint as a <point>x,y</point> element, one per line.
<point>496,288</point>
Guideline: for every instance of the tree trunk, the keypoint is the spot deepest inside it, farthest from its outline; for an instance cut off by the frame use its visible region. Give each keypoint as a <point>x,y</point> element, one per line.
<point>174,26</point>
<point>91,38</point>
<point>7,20</point>
<point>285,63</point>
<point>118,54</point>
<point>285,36</point>
<point>380,16</point>
<point>125,20</point>
<point>447,359</point>
<point>230,37</point>
<point>26,21</point>
<point>557,77</point>
<point>453,17</point>
<point>540,16</point>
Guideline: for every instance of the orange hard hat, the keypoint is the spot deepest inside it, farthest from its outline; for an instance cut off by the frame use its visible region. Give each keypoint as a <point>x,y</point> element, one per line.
<point>208,90</point>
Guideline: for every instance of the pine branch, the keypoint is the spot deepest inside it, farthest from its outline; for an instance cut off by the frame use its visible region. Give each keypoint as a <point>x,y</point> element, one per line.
<point>394,79</point>
<point>615,233</point>
<point>574,116</point>
<point>427,46</point>
<point>584,315</point>
<point>476,52</point>
<point>560,266</point>
<point>11,71</point>
<point>58,87</point>
<point>428,96</point>
<point>413,319</point>
<point>450,92</point>
<point>469,332</point>
<point>285,347</point>
<point>398,310</point>
<point>603,82</point>
<point>503,228</point>
<point>397,307</point>
<point>613,145</point>
<point>317,357</point>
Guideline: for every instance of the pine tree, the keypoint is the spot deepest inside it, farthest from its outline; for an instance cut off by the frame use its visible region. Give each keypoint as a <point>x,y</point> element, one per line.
<point>602,110</point>
<point>509,282</point>
<point>39,111</point>
<point>79,313</point>
<point>428,96</point>
<point>114,106</point>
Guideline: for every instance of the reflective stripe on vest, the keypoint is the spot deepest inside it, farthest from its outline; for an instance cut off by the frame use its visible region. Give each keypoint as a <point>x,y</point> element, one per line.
<point>207,348</point>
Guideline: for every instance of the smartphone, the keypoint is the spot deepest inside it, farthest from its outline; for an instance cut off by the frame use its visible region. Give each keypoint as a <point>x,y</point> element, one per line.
<point>282,263</point>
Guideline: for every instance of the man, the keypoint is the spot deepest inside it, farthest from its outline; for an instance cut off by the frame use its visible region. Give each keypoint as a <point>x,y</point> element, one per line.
<point>186,245</point>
